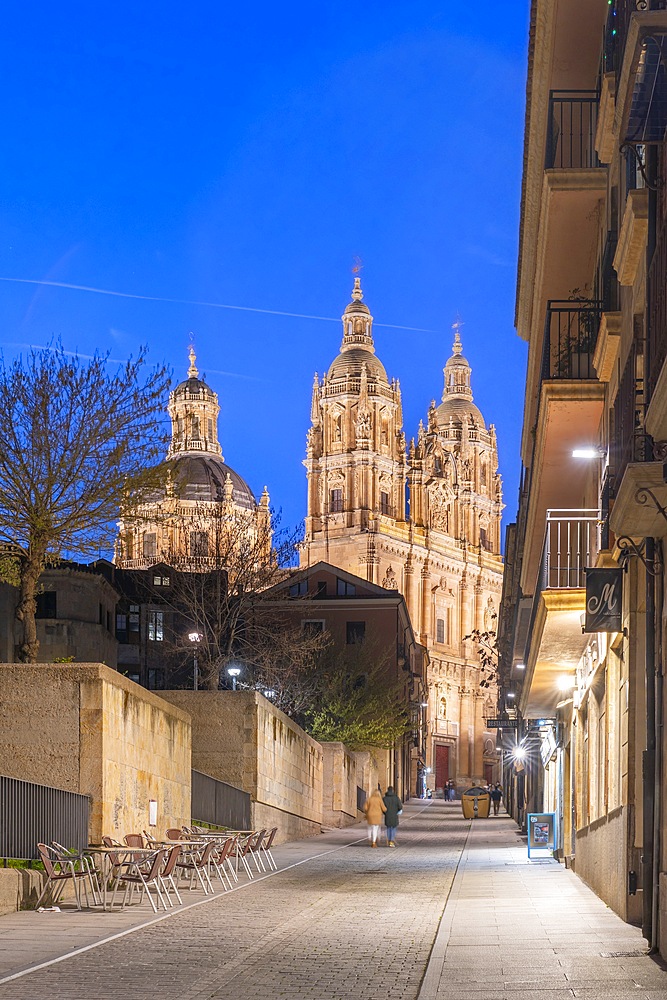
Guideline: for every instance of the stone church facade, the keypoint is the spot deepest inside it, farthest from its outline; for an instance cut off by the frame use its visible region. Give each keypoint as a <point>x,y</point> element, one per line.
<point>423,520</point>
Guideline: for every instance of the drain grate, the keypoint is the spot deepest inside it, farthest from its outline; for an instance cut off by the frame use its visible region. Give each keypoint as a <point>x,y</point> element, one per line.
<point>623,954</point>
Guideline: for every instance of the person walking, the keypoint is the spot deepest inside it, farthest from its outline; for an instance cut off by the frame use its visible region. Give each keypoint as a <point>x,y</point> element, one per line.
<point>496,797</point>
<point>374,810</point>
<point>394,808</point>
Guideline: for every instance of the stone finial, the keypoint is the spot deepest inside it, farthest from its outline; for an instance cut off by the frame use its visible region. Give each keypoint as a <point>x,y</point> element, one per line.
<point>192,370</point>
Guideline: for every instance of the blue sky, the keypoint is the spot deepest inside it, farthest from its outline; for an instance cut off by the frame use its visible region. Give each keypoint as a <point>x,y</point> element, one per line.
<point>244,155</point>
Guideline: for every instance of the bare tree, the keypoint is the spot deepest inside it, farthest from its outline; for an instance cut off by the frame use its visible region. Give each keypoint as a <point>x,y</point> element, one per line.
<point>226,561</point>
<point>77,437</point>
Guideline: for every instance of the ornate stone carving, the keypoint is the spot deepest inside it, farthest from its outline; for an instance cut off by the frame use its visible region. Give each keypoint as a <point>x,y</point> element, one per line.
<point>390,582</point>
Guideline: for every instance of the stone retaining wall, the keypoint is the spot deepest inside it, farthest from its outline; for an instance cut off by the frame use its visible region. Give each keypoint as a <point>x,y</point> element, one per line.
<point>240,737</point>
<point>86,728</point>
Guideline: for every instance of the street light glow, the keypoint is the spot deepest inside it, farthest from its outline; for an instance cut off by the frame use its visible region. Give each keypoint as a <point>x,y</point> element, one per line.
<point>519,753</point>
<point>195,636</point>
<point>566,683</point>
<point>589,453</point>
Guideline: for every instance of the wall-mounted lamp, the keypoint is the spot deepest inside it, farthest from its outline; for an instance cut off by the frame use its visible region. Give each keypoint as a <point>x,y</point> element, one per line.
<point>519,666</point>
<point>566,683</point>
<point>590,452</point>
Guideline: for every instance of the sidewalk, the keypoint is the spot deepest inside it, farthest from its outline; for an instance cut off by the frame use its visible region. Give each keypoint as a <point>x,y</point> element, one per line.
<point>519,930</point>
<point>455,912</point>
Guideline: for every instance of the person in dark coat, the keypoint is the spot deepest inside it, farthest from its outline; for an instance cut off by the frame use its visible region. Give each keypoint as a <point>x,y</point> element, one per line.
<point>394,809</point>
<point>496,796</point>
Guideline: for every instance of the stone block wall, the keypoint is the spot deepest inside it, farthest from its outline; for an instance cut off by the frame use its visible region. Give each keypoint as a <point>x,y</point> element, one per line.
<point>86,728</point>
<point>339,793</point>
<point>601,854</point>
<point>240,737</point>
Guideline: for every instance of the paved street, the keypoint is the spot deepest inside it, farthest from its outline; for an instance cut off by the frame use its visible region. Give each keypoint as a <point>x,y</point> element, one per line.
<point>343,921</point>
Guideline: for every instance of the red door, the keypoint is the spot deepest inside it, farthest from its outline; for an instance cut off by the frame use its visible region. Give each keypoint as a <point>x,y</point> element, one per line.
<point>441,766</point>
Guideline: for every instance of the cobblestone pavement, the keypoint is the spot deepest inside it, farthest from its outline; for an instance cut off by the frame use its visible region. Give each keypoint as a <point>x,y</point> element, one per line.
<point>344,922</point>
<point>356,923</point>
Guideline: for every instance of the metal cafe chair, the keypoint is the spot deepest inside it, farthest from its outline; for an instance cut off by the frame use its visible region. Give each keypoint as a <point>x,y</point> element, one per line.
<point>59,871</point>
<point>254,846</point>
<point>195,864</point>
<point>144,879</point>
<point>221,862</point>
<point>85,861</point>
<point>266,845</point>
<point>167,873</point>
<point>240,852</point>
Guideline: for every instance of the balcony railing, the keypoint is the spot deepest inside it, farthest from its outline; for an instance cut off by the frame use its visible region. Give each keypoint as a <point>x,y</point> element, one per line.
<point>657,298</point>
<point>573,116</point>
<point>571,543</point>
<point>605,289</point>
<point>570,333</point>
<point>628,439</point>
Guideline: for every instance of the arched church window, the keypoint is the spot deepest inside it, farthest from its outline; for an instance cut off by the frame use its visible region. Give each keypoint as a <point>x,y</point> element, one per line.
<point>437,466</point>
<point>194,427</point>
<point>385,432</point>
<point>482,474</point>
<point>210,429</point>
<point>179,427</point>
<point>338,428</point>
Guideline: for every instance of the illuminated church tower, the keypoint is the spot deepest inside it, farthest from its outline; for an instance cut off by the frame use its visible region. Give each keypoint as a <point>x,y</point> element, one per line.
<point>441,551</point>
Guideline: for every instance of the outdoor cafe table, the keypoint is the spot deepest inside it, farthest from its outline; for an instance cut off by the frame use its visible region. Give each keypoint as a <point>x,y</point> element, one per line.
<point>104,854</point>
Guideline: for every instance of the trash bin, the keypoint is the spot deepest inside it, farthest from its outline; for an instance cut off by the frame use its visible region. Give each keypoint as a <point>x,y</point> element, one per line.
<point>476,803</point>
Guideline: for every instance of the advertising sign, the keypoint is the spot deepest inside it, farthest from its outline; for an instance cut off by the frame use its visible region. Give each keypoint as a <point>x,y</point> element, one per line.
<point>604,600</point>
<point>541,834</point>
<point>502,723</point>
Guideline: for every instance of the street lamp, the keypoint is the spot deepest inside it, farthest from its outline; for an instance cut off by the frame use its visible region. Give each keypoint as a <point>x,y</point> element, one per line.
<point>194,638</point>
<point>233,672</point>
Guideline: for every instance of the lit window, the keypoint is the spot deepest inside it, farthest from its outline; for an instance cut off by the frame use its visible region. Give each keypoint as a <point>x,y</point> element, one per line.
<point>156,626</point>
<point>160,581</point>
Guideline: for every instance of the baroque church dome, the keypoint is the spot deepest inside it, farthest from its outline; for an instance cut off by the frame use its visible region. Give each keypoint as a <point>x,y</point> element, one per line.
<point>357,348</point>
<point>457,403</point>
<point>199,471</point>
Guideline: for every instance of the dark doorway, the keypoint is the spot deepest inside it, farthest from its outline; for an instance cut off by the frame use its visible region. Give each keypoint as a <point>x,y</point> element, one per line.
<point>488,773</point>
<point>441,766</point>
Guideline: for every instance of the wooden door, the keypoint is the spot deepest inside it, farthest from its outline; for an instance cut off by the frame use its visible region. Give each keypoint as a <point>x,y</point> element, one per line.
<point>441,766</point>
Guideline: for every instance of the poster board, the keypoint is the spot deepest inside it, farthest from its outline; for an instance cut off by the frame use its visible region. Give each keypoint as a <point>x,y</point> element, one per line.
<point>541,835</point>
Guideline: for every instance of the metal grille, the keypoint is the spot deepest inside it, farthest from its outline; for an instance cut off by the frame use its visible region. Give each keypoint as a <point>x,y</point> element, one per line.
<point>628,414</point>
<point>571,544</point>
<point>657,294</point>
<point>218,803</point>
<point>573,116</point>
<point>570,333</point>
<point>361,799</point>
<point>32,814</point>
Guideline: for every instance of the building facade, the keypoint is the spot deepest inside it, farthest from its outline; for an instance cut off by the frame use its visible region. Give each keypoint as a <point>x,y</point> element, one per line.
<point>584,700</point>
<point>353,611</point>
<point>444,555</point>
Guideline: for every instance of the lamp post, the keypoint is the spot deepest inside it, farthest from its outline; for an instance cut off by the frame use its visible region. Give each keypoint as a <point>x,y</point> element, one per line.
<point>194,638</point>
<point>233,672</point>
